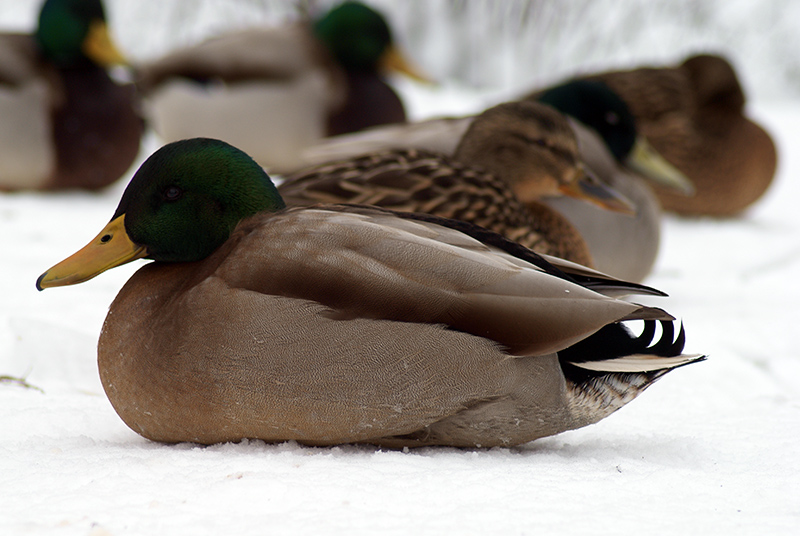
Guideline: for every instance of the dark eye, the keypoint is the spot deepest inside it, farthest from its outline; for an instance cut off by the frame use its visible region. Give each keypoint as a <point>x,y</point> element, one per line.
<point>612,118</point>
<point>541,142</point>
<point>173,193</point>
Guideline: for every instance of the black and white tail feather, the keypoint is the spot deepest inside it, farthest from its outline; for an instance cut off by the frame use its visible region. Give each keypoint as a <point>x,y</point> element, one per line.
<point>612,367</point>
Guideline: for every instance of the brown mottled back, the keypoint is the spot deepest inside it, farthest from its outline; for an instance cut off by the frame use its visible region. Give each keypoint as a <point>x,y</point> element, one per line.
<point>420,181</point>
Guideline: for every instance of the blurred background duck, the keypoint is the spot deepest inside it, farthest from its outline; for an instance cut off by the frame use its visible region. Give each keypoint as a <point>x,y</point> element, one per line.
<point>273,91</point>
<point>511,158</point>
<point>65,122</point>
<point>613,148</point>
<point>694,115</point>
<point>624,245</point>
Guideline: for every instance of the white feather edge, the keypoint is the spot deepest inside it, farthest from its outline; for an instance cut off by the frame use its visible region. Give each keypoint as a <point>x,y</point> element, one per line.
<point>639,363</point>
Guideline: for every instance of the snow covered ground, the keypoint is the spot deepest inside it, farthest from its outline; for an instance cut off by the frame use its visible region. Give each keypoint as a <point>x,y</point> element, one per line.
<point>711,449</point>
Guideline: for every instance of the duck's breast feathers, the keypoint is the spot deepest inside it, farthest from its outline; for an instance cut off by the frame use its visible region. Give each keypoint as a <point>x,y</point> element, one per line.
<point>367,263</point>
<point>266,54</point>
<point>233,363</point>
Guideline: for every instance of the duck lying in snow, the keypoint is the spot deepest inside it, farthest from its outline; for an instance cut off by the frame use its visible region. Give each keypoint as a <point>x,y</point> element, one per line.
<point>348,324</point>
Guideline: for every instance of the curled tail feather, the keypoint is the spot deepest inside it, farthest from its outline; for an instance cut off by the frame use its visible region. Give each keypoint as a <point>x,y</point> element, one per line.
<point>612,367</point>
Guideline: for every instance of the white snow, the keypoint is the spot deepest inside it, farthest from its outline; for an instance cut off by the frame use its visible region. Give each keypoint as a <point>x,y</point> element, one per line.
<point>710,449</point>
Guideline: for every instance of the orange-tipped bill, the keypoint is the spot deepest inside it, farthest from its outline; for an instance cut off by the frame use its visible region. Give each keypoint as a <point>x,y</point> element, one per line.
<point>393,61</point>
<point>112,247</point>
<point>99,46</point>
<point>591,189</point>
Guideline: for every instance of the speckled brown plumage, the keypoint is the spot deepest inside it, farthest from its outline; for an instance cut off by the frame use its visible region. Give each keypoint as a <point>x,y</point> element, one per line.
<point>421,181</point>
<point>693,115</point>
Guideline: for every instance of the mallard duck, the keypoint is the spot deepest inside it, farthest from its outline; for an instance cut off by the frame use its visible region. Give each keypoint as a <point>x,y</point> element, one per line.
<point>274,91</point>
<point>513,151</point>
<point>343,323</point>
<point>693,114</point>
<point>65,124</point>
<point>619,244</point>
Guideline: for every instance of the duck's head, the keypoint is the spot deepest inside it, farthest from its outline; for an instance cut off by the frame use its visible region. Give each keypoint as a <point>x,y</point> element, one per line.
<point>180,206</point>
<point>71,32</point>
<point>595,105</point>
<point>715,83</point>
<point>361,41</point>
<point>532,147</point>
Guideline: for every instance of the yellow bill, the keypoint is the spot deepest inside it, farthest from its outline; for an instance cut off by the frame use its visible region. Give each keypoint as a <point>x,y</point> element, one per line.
<point>99,46</point>
<point>393,61</point>
<point>112,247</point>
<point>647,162</point>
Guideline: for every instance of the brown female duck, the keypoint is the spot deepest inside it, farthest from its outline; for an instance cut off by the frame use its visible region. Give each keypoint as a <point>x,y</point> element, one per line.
<point>694,115</point>
<point>510,158</point>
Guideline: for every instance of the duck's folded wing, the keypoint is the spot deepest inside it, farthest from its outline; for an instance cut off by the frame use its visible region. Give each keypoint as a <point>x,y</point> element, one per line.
<point>599,281</point>
<point>365,263</point>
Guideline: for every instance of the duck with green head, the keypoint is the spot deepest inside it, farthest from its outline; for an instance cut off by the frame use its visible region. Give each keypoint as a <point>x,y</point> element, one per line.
<point>273,91</point>
<point>66,123</point>
<point>339,324</point>
<point>597,107</point>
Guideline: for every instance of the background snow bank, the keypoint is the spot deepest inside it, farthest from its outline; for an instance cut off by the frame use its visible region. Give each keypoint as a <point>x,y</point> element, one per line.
<point>711,449</point>
<point>510,44</point>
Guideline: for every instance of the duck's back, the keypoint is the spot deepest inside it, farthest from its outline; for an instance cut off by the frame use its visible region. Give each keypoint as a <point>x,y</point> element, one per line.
<point>278,53</point>
<point>19,59</point>
<point>414,180</point>
<point>266,90</point>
